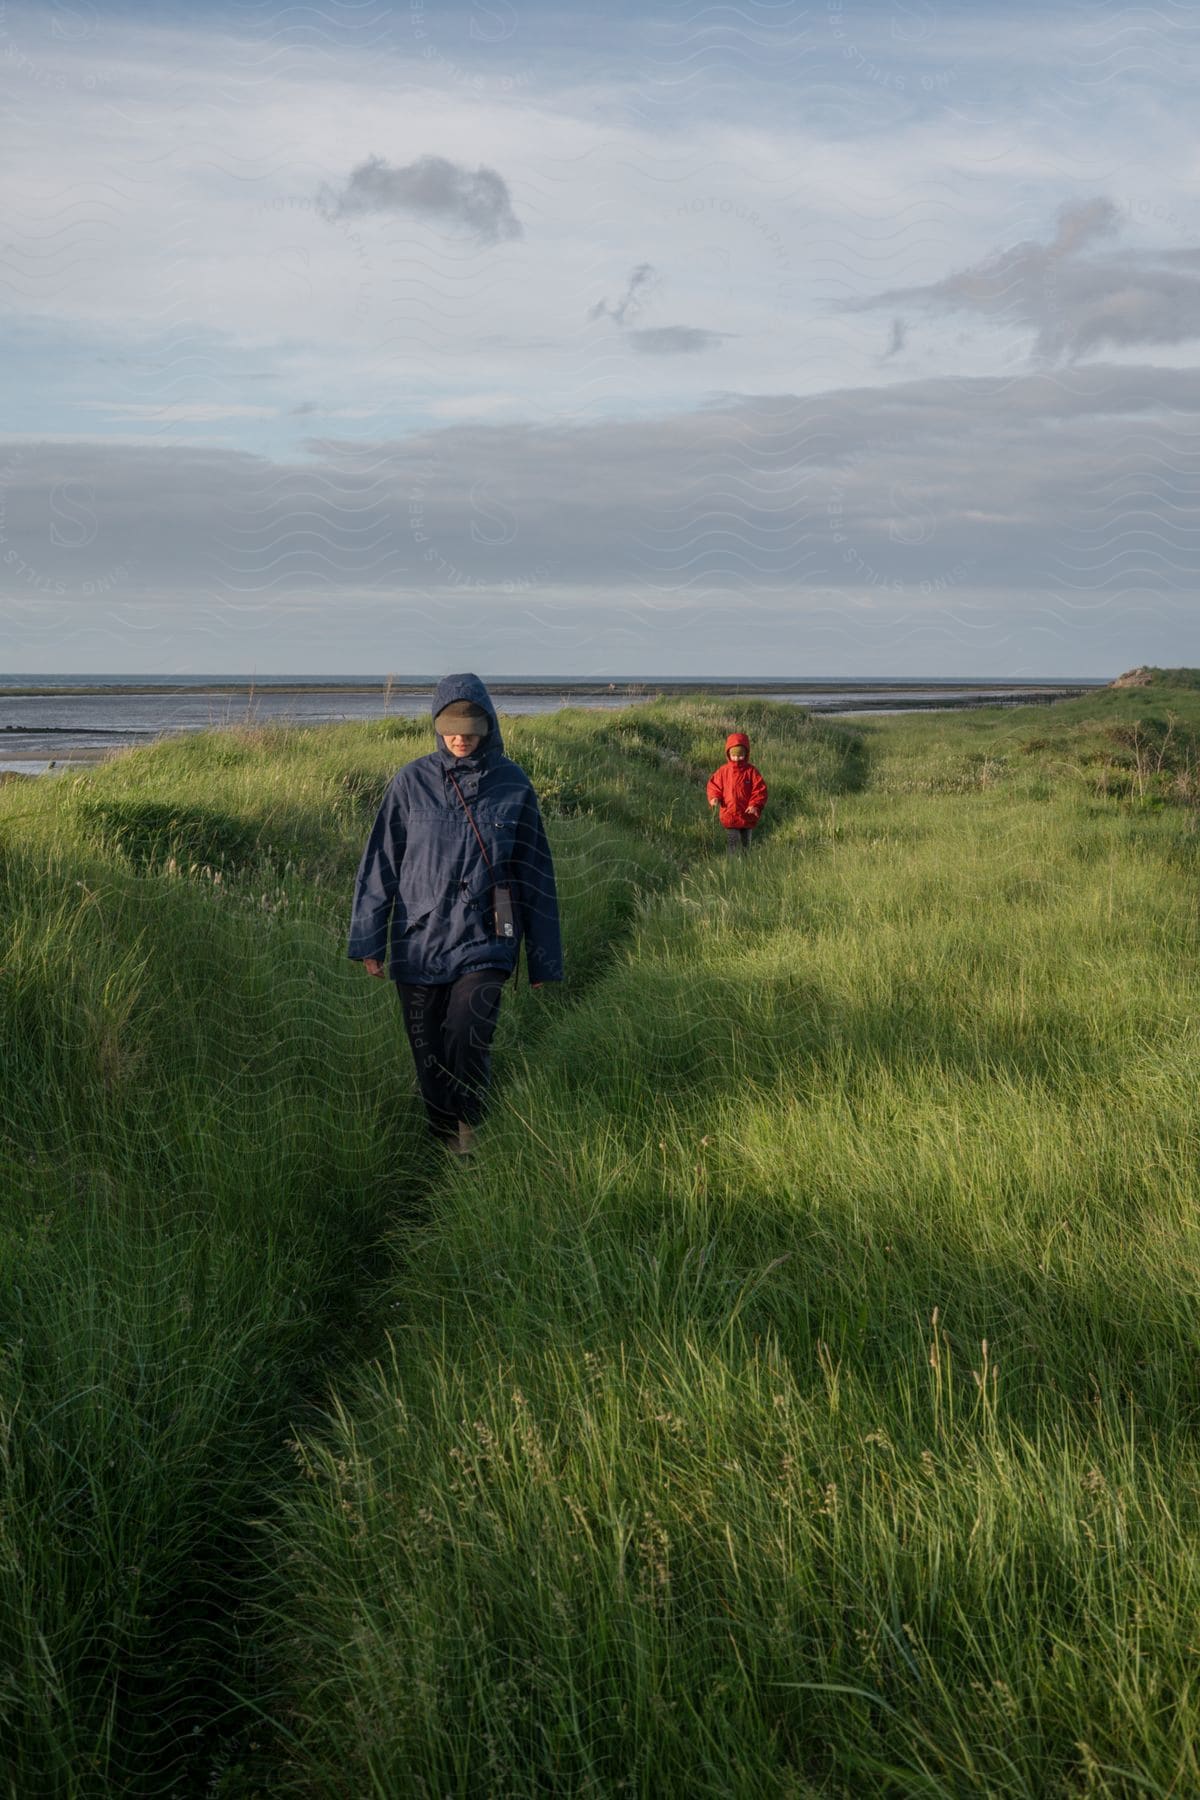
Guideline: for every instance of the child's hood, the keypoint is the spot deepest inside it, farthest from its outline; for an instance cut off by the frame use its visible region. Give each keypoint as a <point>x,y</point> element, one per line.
<point>735,738</point>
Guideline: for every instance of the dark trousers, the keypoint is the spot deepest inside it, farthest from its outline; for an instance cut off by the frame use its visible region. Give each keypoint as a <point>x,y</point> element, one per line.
<point>450,1026</point>
<point>737,839</point>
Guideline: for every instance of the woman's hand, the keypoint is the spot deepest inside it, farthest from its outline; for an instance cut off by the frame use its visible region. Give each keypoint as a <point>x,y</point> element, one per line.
<point>374,967</point>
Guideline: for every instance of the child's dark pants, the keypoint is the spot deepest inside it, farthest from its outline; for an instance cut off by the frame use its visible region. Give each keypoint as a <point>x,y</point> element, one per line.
<point>737,839</point>
<point>450,1026</point>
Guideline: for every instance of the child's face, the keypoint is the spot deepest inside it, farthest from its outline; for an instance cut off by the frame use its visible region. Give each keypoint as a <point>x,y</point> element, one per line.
<point>737,754</point>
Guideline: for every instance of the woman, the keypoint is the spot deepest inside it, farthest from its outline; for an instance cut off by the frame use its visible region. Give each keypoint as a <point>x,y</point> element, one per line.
<point>458,863</point>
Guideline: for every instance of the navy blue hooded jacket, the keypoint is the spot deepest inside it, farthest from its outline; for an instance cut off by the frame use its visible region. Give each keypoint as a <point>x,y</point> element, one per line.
<point>423,872</point>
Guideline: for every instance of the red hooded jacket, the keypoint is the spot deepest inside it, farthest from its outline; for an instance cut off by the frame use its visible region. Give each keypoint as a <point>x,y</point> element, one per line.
<point>738,786</point>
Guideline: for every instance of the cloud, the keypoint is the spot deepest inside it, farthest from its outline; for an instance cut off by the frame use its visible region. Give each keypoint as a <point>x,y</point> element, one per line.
<point>898,339</point>
<point>432,188</point>
<point>642,281</point>
<point>1078,224</point>
<point>1047,523</point>
<point>1077,480</point>
<point>179,412</point>
<point>675,340</point>
<point>657,340</point>
<point>1076,297</point>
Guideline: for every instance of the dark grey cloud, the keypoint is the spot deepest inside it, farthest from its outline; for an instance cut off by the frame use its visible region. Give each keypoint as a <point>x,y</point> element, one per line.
<point>433,188</point>
<point>1074,294</point>
<point>897,340</point>
<point>1068,496</point>
<point>642,282</point>
<point>654,340</point>
<point>675,340</point>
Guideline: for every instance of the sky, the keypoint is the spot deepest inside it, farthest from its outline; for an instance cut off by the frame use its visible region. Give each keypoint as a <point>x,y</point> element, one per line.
<point>853,337</point>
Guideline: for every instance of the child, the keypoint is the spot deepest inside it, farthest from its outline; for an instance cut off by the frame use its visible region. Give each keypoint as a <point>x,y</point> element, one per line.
<point>741,792</point>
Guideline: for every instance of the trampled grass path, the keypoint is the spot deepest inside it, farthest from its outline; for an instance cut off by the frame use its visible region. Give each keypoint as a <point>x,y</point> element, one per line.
<point>799,1395</point>
<point>209,1151</point>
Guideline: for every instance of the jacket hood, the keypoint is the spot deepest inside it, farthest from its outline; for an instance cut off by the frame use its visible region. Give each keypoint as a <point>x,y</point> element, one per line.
<point>737,737</point>
<point>467,687</point>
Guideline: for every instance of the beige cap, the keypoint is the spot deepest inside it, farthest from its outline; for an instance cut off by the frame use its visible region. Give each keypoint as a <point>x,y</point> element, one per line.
<point>462,717</point>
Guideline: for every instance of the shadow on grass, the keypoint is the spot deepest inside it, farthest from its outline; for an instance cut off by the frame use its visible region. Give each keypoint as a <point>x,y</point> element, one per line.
<point>201,1170</point>
<point>149,833</point>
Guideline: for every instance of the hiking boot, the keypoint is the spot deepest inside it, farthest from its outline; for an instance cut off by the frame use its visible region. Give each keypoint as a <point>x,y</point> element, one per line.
<point>466,1138</point>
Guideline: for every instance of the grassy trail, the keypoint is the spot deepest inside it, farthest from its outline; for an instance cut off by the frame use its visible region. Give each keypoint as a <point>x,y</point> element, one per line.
<point>208,1148</point>
<point>798,1394</point>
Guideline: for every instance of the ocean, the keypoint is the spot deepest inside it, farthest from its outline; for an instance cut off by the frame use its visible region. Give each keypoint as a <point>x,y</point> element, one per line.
<point>50,721</point>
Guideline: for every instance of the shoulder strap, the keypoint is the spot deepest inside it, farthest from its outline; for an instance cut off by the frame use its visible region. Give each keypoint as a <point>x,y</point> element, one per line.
<point>471,818</point>
<point>487,859</point>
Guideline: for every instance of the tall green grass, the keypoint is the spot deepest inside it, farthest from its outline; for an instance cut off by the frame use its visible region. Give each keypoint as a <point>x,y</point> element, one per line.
<point>798,1395</point>
<point>208,1138</point>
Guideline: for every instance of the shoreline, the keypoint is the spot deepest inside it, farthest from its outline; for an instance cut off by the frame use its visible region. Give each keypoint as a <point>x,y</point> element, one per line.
<point>892,699</point>
<point>870,700</point>
<point>575,689</point>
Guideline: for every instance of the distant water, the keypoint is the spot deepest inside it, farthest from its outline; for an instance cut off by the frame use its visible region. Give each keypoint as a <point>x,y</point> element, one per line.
<point>62,718</point>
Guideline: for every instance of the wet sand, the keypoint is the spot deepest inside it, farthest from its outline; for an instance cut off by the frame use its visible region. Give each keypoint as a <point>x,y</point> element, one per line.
<point>39,718</point>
